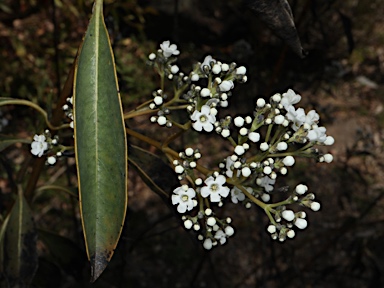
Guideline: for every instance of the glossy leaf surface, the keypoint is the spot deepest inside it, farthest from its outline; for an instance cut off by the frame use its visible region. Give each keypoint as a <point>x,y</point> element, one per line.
<point>100,145</point>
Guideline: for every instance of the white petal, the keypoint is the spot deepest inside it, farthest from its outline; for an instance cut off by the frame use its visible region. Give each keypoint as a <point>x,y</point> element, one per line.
<point>205,192</point>
<point>215,197</point>
<point>181,208</point>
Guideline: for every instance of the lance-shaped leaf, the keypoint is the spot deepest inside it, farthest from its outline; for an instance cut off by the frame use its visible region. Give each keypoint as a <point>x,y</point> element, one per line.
<point>20,252</point>
<point>100,145</point>
<point>277,14</point>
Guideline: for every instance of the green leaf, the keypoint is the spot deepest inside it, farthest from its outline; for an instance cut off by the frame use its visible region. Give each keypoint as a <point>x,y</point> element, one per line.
<point>159,177</point>
<point>100,145</point>
<point>6,141</point>
<point>20,252</point>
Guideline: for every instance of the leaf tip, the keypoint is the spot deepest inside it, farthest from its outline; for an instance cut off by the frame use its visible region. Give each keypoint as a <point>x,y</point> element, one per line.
<point>98,264</point>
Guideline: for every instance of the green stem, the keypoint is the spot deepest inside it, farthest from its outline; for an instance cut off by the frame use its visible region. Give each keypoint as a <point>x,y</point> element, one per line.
<point>51,126</point>
<point>268,132</point>
<point>161,147</point>
<point>136,113</point>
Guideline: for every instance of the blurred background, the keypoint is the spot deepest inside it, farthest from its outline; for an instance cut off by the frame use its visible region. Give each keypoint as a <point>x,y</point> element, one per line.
<point>342,77</point>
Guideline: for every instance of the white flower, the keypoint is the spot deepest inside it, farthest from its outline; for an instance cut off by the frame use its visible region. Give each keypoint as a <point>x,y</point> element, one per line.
<point>276,97</point>
<point>317,134</point>
<point>266,182</point>
<point>226,85</point>
<point>279,119</point>
<point>241,70</point>
<point>229,231</point>
<point>205,92</point>
<point>315,206</point>
<point>246,171</point>
<point>239,121</point>
<point>260,103</point>
<point>188,224</point>
<point>329,140</point>
<point>204,119</point>
<point>215,188</point>
<point>282,146</point>
<point>183,196</point>
<point>291,234</point>
<point>229,166</point>
<point>243,131</point>
<point>207,244</point>
<point>194,77</point>
<point>224,67</point>
<point>237,195</point>
<point>162,120</point>
<point>224,104</point>
<point>169,50</point>
<point>211,221</point>
<point>221,236</point>
<point>271,229</point>
<point>296,116</point>
<point>312,118</point>
<point>289,161</point>
<point>39,145</point>
<point>288,215</point>
<point>301,223</point>
<point>267,170</point>
<point>207,61</point>
<point>216,69</point>
<point>158,100</point>
<point>152,56</point>
<point>328,158</point>
<point>239,150</point>
<point>301,189</point>
<point>174,69</point>
<point>290,98</point>
<point>51,160</point>
<point>264,146</point>
<point>265,197</point>
<point>254,137</point>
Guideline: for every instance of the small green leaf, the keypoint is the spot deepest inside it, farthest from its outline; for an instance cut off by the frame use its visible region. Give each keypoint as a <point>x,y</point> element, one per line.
<point>20,252</point>
<point>100,145</point>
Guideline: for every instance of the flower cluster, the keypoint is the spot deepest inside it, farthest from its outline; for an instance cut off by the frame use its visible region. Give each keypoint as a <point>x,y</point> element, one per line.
<point>43,143</point>
<point>265,145</point>
<point>214,189</point>
<point>281,226</point>
<point>203,91</point>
